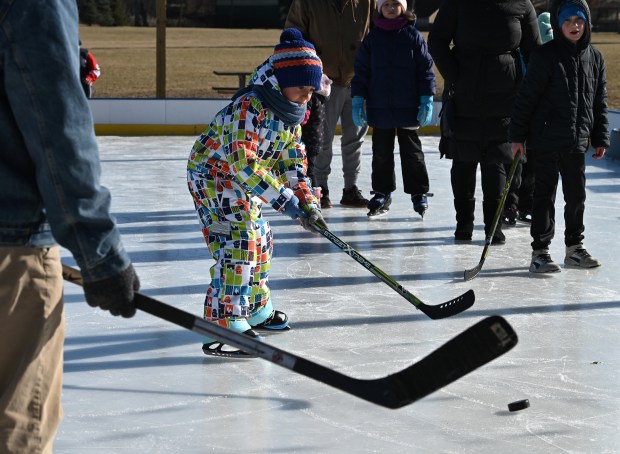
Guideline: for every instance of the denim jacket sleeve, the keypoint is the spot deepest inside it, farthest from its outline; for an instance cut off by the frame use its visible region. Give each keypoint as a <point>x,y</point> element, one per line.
<point>50,170</point>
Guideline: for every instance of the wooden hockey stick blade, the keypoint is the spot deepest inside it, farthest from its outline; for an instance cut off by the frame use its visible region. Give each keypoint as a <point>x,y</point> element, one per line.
<point>473,272</point>
<point>474,347</point>
<point>447,309</point>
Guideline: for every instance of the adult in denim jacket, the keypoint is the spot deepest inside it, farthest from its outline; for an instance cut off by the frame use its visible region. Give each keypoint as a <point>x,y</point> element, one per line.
<point>50,193</point>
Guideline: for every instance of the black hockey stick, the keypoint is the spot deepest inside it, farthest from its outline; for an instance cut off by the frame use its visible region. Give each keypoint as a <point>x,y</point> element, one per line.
<point>474,347</point>
<point>447,309</point>
<point>472,273</point>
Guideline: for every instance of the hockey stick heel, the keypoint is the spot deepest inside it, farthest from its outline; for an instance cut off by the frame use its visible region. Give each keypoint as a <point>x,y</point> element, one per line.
<point>447,309</point>
<point>473,272</point>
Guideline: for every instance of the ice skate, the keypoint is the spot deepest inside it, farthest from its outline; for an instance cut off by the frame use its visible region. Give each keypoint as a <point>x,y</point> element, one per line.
<point>577,256</point>
<point>380,203</point>
<point>509,216</point>
<point>212,347</point>
<point>525,216</point>
<point>420,203</point>
<point>542,262</point>
<point>277,321</point>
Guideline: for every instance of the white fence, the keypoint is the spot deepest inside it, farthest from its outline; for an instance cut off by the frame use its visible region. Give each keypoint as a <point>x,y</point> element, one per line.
<point>153,117</point>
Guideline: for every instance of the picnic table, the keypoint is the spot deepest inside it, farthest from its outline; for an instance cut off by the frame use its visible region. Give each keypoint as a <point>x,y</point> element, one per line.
<point>241,75</point>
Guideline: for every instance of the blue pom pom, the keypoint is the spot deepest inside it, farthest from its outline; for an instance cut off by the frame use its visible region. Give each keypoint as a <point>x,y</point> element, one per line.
<point>290,34</point>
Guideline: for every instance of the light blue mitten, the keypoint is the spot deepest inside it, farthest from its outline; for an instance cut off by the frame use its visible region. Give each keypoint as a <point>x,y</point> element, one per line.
<point>425,114</point>
<point>544,26</point>
<point>359,112</point>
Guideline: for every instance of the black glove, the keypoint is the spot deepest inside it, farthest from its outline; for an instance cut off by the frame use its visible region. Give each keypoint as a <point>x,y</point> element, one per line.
<point>114,294</point>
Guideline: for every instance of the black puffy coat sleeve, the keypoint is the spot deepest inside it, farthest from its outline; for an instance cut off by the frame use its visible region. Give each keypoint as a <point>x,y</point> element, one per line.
<point>530,38</point>
<point>537,77</point>
<point>600,128</point>
<point>439,39</point>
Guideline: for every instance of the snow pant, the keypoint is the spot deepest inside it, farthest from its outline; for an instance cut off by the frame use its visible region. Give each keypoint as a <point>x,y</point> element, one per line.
<point>572,168</point>
<point>240,242</point>
<point>512,198</point>
<point>339,106</point>
<point>413,166</point>
<point>463,179</point>
<point>31,351</point>
<point>526,190</point>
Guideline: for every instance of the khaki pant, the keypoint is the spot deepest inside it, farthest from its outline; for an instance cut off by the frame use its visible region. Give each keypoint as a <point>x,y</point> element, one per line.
<point>31,348</point>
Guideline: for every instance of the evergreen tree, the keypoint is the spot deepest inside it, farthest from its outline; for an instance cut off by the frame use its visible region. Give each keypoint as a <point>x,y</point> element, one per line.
<point>88,12</point>
<point>105,12</point>
<point>119,12</point>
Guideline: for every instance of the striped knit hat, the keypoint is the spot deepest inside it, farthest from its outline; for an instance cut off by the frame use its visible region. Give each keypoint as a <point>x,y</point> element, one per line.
<point>295,63</point>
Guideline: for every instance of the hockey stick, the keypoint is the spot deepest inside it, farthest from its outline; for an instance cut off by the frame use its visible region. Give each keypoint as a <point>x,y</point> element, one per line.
<point>472,273</point>
<point>474,347</point>
<point>447,309</point>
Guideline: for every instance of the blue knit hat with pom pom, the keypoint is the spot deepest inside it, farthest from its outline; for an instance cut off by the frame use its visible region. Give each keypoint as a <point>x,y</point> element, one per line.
<point>295,62</point>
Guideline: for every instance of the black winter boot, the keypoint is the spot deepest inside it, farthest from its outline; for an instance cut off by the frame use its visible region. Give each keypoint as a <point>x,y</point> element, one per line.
<point>464,219</point>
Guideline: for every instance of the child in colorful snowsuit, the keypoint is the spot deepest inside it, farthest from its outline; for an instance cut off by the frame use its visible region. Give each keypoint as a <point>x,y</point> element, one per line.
<point>560,110</point>
<point>250,154</point>
<point>392,91</point>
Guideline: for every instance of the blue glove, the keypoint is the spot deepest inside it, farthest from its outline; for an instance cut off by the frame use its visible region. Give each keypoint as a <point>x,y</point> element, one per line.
<point>544,26</point>
<point>359,112</point>
<point>292,210</point>
<point>425,114</point>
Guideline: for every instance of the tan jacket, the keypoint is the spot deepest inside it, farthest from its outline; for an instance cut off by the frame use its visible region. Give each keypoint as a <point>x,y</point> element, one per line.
<point>336,34</point>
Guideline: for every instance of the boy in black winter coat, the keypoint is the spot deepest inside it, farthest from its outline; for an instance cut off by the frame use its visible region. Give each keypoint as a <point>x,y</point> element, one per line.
<point>560,110</point>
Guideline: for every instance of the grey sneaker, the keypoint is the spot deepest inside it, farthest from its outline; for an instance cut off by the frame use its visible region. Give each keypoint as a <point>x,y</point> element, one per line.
<point>542,263</point>
<point>579,257</point>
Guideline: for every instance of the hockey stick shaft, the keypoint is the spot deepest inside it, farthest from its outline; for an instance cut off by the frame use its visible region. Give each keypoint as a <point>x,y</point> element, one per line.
<point>472,273</point>
<point>474,347</point>
<point>443,310</point>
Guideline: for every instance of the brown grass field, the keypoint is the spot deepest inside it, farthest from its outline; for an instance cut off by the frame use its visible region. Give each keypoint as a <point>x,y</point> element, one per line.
<point>127,59</point>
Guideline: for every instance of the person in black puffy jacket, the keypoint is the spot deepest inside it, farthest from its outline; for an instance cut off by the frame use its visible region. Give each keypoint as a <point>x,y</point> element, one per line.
<point>483,70</point>
<point>561,110</point>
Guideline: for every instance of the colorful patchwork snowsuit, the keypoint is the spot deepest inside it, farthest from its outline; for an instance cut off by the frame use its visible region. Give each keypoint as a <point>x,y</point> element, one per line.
<point>247,156</point>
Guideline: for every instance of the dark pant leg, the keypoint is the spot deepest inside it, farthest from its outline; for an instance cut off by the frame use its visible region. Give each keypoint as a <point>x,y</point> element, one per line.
<point>463,180</point>
<point>512,198</point>
<point>526,191</point>
<point>543,205</point>
<point>493,177</point>
<point>383,177</point>
<point>413,166</point>
<point>573,172</point>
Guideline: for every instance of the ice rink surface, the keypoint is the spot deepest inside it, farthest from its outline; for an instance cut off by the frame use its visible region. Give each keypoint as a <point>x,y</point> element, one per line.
<point>143,385</point>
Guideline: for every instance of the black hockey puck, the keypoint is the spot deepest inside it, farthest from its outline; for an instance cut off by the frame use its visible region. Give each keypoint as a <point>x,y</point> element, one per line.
<point>518,405</point>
